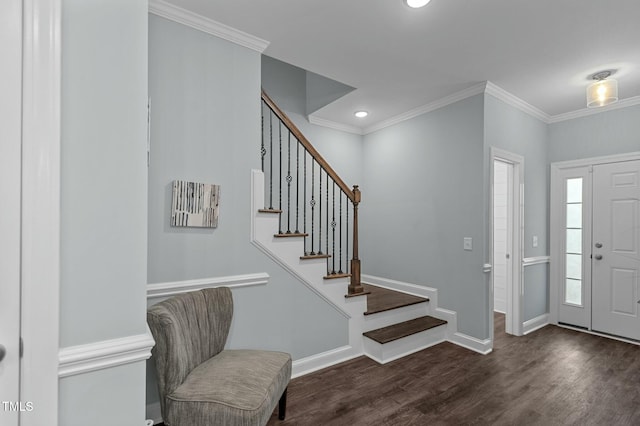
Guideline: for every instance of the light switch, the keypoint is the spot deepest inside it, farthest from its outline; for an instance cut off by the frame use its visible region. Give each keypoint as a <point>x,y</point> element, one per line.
<point>468,243</point>
<point>535,241</point>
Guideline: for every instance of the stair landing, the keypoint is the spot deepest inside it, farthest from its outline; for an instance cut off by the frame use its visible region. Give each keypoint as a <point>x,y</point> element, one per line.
<point>382,299</point>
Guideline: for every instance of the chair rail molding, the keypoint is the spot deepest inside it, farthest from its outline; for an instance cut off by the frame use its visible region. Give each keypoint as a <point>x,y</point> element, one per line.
<point>171,288</point>
<point>95,356</point>
<point>536,260</point>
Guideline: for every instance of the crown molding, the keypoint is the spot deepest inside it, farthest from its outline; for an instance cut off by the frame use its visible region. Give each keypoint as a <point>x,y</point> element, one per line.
<point>516,102</point>
<point>334,125</point>
<point>440,103</point>
<point>177,14</point>
<point>591,111</point>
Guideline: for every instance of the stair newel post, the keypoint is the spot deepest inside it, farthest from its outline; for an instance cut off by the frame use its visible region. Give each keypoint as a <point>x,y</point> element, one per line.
<point>355,286</point>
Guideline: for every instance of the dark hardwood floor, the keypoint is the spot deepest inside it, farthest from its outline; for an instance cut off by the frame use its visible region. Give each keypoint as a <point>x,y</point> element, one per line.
<point>553,376</point>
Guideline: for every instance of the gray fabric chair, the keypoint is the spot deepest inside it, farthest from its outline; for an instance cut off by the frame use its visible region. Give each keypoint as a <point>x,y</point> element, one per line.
<point>200,383</point>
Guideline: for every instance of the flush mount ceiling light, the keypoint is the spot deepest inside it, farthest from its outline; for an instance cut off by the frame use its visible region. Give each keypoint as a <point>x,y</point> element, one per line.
<point>602,91</point>
<point>416,3</point>
<point>361,114</point>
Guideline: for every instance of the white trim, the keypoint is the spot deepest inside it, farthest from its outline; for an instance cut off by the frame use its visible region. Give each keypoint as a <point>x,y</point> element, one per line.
<point>105,354</point>
<point>183,16</point>
<point>515,291</point>
<point>535,324</point>
<point>334,125</point>
<point>487,267</point>
<point>584,162</point>
<point>625,103</point>
<point>472,343</point>
<point>41,193</point>
<point>432,106</point>
<point>177,287</point>
<point>391,351</point>
<point>514,101</point>
<point>535,260</point>
<point>316,362</point>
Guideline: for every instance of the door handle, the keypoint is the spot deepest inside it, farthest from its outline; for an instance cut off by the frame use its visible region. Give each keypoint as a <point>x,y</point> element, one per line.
<point>3,352</point>
<point>598,245</point>
<point>598,257</point>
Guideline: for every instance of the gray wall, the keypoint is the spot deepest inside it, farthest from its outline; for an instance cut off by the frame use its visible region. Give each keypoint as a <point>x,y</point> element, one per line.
<point>607,133</point>
<point>423,192</point>
<point>103,201</point>
<point>288,86</point>
<point>205,127</point>
<point>512,130</point>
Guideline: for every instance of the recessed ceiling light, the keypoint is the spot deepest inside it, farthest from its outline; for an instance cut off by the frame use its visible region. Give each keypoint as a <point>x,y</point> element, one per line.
<point>361,114</point>
<point>416,3</point>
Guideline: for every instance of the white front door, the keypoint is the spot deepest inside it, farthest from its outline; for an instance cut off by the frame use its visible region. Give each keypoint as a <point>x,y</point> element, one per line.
<point>616,249</point>
<point>10,190</point>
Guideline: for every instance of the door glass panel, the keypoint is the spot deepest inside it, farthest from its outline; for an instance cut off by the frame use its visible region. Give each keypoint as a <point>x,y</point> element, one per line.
<point>573,242</point>
<point>574,190</point>
<point>574,215</point>
<point>573,292</point>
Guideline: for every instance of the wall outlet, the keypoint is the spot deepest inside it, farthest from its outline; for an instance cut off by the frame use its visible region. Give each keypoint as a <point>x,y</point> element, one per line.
<point>468,243</point>
<point>535,241</point>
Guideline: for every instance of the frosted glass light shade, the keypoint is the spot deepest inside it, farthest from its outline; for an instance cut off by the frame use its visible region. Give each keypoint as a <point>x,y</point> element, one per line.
<point>601,93</point>
<point>416,3</point>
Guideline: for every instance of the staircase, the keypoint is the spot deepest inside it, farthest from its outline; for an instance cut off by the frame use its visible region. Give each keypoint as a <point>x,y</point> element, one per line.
<point>306,219</point>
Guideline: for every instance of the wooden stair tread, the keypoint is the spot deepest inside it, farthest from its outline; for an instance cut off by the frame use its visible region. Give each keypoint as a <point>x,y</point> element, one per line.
<point>315,256</point>
<point>291,234</point>
<point>334,276</point>
<point>270,211</point>
<point>407,328</point>
<point>382,299</point>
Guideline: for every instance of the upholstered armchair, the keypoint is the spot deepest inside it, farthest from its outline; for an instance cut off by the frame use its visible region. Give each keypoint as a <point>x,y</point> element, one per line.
<point>199,382</point>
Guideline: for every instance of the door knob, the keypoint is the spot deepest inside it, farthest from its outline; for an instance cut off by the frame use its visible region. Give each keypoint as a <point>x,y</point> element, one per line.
<point>598,245</point>
<point>598,256</point>
<point>3,352</point>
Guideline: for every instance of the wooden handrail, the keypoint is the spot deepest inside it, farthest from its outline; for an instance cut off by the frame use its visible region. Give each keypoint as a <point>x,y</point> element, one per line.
<point>307,145</point>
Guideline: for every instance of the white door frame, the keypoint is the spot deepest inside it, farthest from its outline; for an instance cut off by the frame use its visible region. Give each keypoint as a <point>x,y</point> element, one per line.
<point>40,239</point>
<point>10,176</point>
<point>556,223</point>
<point>514,299</point>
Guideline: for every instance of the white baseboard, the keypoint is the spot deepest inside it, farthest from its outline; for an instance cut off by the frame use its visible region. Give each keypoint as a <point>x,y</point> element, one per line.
<point>82,359</point>
<point>472,343</point>
<point>322,360</point>
<point>535,324</point>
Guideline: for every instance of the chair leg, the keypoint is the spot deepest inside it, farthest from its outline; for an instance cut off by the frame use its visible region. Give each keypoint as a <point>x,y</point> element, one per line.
<point>282,405</point>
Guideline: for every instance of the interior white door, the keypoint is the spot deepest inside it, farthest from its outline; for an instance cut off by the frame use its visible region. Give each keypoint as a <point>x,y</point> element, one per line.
<point>10,178</point>
<point>616,249</point>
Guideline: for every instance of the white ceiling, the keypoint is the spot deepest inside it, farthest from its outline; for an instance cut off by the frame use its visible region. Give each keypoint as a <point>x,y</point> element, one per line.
<point>399,59</point>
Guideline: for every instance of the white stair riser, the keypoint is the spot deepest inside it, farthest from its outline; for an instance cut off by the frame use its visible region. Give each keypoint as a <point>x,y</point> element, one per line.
<point>395,316</point>
<point>384,353</point>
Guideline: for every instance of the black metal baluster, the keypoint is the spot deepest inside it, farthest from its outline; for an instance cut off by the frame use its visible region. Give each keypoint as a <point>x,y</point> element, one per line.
<point>320,213</point>
<point>270,159</point>
<point>263,151</point>
<point>313,202</point>
<point>346,260</point>
<point>280,177</point>
<point>304,203</point>
<point>297,231</point>
<point>333,229</point>
<point>340,232</point>
<point>289,184</point>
